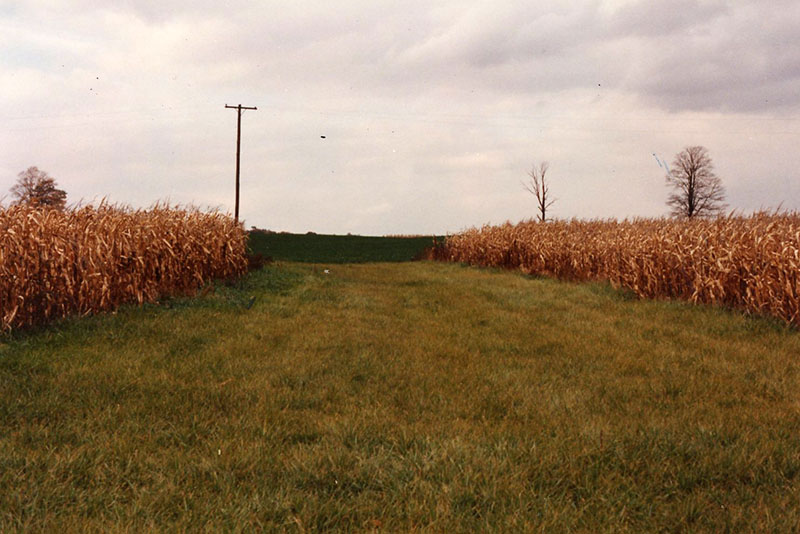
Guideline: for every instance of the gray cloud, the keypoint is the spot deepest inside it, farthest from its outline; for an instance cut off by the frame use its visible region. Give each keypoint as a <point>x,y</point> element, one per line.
<point>740,58</point>
<point>658,18</point>
<point>432,112</point>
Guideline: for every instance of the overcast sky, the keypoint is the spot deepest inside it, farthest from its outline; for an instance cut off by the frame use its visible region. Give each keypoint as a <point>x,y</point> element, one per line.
<point>432,112</point>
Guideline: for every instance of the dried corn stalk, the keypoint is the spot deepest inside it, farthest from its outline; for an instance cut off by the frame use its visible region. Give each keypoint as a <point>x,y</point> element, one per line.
<point>57,263</point>
<point>749,263</point>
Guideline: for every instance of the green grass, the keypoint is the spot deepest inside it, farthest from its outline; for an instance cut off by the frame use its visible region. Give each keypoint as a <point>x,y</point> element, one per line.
<point>402,397</point>
<point>320,248</point>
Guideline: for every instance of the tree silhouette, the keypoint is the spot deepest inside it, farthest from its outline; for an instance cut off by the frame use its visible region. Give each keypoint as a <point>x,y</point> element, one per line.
<point>538,188</point>
<point>37,188</point>
<point>698,191</point>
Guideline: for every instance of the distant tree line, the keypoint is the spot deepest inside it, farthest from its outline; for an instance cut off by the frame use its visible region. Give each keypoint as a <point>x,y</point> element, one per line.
<point>697,190</point>
<point>37,188</point>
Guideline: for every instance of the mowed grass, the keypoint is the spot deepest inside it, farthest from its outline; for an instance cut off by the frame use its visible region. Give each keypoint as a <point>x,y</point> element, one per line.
<point>324,248</point>
<point>406,397</point>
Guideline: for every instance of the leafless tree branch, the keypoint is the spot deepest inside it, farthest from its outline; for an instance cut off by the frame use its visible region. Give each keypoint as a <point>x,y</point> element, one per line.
<point>698,192</point>
<point>539,188</point>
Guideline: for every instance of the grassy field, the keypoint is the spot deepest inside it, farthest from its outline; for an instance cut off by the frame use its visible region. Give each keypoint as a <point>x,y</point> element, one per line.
<point>321,248</point>
<point>402,397</point>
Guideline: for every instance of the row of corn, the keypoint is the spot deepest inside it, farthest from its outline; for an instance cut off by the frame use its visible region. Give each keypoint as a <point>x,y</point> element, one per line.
<point>749,263</point>
<point>56,263</point>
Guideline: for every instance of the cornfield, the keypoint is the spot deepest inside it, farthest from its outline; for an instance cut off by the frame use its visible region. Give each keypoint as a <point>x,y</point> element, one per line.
<point>57,263</point>
<point>748,263</point>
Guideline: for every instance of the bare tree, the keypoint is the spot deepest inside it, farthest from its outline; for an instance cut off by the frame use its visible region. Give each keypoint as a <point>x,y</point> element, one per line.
<point>538,188</point>
<point>37,188</point>
<point>698,191</point>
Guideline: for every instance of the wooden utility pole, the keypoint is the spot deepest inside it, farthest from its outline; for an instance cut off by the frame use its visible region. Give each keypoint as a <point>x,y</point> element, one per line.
<point>239,109</point>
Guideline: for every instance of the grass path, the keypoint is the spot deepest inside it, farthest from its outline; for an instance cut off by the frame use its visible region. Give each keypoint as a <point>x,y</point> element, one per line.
<point>398,398</point>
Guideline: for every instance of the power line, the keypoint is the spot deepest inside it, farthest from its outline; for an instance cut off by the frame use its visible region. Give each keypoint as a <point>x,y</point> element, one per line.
<point>633,123</point>
<point>423,115</point>
<point>239,109</point>
<point>89,114</point>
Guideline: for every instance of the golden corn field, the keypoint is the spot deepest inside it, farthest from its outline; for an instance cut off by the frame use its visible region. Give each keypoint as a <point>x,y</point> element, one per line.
<point>56,263</point>
<point>748,263</point>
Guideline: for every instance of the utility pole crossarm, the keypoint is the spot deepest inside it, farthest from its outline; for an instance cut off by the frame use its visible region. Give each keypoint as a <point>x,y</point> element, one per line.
<point>239,109</point>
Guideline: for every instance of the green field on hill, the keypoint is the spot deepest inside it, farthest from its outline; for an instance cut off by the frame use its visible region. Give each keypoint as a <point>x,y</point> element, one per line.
<point>402,397</point>
<point>321,248</point>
